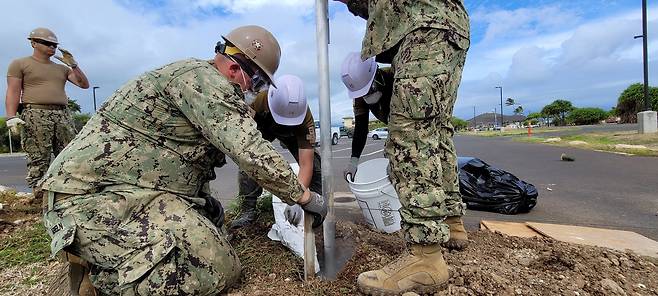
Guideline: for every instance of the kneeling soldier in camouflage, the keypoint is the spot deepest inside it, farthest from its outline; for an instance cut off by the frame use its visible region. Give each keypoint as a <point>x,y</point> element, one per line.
<point>129,194</point>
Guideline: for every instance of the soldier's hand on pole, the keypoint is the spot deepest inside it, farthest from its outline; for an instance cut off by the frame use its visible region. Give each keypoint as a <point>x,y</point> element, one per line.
<point>13,124</point>
<point>317,207</point>
<point>67,58</point>
<point>350,170</point>
<point>294,214</point>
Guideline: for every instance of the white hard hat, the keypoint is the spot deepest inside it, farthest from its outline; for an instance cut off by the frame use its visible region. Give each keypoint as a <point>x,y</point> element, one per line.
<point>287,101</point>
<point>357,75</point>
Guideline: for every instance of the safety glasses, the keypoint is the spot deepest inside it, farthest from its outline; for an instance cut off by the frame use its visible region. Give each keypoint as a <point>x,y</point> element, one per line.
<point>258,78</point>
<point>46,43</point>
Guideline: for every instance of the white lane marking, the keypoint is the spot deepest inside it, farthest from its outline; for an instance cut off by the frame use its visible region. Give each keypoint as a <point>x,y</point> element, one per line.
<point>371,153</point>
<point>339,150</point>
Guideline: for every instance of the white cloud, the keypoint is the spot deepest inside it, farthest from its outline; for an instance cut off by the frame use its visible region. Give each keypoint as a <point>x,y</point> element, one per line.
<point>241,6</point>
<point>535,57</point>
<point>589,64</point>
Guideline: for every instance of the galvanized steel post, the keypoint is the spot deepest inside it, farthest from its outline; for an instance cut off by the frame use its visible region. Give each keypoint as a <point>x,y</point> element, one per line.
<point>322,39</point>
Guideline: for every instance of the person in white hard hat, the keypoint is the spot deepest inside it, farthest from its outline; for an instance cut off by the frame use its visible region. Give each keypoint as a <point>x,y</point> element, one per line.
<point>371,88</point>
<point>282,113</point>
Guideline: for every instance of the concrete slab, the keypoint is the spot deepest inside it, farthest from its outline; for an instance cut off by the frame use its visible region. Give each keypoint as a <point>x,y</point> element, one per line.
<point>608,238</point>
<point>509,228</point>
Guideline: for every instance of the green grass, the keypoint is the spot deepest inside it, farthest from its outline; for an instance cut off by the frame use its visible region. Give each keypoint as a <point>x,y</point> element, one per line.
<point>25,247</point>
<point>516,132</point>
<point>605,141</point>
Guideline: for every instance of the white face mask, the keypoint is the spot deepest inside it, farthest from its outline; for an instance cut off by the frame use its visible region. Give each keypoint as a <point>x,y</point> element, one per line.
<point>249,97</point>
<point>251,94</point>
<point>372,98</point>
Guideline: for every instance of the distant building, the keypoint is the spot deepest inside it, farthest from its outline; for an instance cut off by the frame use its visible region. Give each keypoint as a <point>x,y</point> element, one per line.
<point>348,122</point>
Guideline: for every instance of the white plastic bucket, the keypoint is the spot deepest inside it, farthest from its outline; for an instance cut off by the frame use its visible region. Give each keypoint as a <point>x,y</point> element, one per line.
<point>376,195</point>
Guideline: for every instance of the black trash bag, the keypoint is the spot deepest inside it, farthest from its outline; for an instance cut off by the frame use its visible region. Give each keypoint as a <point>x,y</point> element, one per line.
<point>485,188</point>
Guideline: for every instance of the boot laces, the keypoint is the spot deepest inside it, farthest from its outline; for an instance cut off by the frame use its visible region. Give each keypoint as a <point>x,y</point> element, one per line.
<point>403,260</point>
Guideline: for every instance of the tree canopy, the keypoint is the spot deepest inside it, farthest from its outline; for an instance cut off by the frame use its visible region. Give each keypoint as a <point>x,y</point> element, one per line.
<point>558,110</point>
<point>582,116</point>
<point>631,101</point>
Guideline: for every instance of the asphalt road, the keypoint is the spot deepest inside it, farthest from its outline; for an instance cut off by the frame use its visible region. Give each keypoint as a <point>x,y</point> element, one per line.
<point>598,189</point>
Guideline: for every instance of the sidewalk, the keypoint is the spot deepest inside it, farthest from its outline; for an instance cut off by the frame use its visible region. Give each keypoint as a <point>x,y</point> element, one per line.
<point>17,154</point>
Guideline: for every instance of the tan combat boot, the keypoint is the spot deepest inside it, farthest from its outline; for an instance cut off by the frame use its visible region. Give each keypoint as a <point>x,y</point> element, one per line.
<point>458,236</point>
<point>422,271</point>
<point>79,282</point>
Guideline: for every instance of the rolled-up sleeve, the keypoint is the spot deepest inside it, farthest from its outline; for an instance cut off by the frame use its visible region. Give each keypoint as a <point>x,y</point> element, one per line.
<point>212,105</point>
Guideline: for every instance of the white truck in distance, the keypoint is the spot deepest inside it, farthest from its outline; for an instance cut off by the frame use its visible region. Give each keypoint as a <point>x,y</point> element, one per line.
<point>335,134</point>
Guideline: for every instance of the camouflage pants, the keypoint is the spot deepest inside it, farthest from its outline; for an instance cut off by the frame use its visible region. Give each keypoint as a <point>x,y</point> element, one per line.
<point>45,132</point>
<point>423,161</point>
<point>143,242</point>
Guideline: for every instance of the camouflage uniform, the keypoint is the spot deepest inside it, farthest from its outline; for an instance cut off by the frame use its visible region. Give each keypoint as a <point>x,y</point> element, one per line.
<point>45,132</point>
<point>128,194</point>
<point>426,43</point>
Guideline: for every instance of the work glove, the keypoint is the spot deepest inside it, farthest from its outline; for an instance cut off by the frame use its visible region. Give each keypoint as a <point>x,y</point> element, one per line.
<point>350,170</point>
<point>13,124</point>
<point>317,207</point>
<point>294,214</point>
<point>67,58</point>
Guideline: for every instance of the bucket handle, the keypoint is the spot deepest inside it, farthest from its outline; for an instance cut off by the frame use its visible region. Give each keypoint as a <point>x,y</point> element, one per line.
<point>367,183</point>
<point>385,193</point>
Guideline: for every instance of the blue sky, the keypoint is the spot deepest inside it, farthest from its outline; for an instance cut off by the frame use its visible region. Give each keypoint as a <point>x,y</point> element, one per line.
<point>538,51</point>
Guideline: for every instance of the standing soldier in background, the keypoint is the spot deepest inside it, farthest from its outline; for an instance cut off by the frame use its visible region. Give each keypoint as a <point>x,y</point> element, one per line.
<point>426,43</point>
<point>38,83</point>
<point>282,113</point>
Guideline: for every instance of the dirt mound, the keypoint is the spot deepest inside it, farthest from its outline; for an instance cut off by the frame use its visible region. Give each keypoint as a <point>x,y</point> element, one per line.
<point>493,264</point>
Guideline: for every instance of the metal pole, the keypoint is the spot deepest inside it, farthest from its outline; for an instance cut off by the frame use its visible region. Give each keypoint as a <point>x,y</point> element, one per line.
<point>645,33</point>
<point>11,149</point>
<point>93,89</point>
<point>501,106</point>
<point>495,120</point>
<point>329,226</point>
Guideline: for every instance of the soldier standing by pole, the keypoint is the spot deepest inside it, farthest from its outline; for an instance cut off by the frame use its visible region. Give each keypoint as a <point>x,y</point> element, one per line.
<point>426,43</point>
<point>38,84</point>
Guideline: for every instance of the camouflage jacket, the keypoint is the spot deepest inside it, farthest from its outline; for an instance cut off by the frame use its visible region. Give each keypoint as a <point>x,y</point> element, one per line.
<point>167,130</point>
<point>390,20</point>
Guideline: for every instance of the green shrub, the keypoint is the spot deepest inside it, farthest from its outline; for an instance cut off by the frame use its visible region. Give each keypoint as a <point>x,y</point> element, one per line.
<point>583,116</point>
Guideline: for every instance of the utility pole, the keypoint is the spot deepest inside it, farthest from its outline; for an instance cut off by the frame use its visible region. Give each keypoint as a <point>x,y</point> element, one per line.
<point>501,106</point>
<point>495,120</point>
<point>645,55</point>
<point>646,120</point>
<point>93,89</point>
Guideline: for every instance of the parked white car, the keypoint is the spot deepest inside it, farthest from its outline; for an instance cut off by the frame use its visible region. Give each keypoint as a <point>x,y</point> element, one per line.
<point>335,134</point>
<point>379,133</point>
